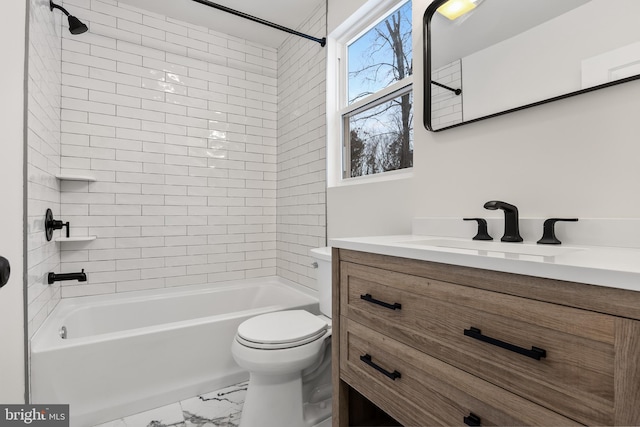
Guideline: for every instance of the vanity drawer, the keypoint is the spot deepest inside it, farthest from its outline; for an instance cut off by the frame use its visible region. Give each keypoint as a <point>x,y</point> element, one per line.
<point>427,391</point>
<point>574,375</point>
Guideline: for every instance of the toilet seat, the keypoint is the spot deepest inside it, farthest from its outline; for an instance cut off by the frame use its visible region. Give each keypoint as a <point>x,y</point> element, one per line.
<point>281,330</point>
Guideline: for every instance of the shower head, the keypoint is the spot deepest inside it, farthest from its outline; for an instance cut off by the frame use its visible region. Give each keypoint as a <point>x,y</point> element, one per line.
<point>75,25</point>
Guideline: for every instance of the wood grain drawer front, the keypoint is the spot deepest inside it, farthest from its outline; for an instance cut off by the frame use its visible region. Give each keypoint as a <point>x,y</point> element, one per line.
<point>429,391</point>
<point>575,377</point>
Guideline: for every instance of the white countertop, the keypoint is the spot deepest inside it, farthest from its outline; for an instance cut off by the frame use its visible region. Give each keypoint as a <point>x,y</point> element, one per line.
<point>596,265</point>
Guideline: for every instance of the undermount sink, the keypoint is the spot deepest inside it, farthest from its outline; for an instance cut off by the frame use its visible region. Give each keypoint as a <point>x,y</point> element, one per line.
<point>491,246</point>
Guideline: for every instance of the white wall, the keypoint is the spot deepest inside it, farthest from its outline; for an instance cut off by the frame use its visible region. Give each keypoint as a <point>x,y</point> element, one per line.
<point>301,197</point>
<point>575,157</point>
<point>178,125</point>
<point>12,330</point>
<point>545,61</point>
<point>380,208</point>
<point>339,10</point>
<point>43,158</point>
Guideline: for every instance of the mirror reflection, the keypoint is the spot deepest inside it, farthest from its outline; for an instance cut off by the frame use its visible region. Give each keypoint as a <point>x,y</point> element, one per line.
<point>503,55</point>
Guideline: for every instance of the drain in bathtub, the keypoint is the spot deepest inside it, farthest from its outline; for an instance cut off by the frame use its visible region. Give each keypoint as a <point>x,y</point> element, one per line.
<point>63,332</point>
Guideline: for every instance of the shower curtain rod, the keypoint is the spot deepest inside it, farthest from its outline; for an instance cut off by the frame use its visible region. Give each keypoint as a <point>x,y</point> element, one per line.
<point>322,41</point>
<point>456,91</point>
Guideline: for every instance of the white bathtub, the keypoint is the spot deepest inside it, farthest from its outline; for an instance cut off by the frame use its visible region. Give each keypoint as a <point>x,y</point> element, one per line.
<point>127,353</point>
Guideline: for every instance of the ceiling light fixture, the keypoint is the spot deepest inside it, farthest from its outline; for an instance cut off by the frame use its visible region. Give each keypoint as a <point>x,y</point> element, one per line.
<point>454,9</point>
<point>75,25</point>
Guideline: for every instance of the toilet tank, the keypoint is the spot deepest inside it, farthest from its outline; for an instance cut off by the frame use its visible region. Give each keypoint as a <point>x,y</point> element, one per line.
<point>322,256</point>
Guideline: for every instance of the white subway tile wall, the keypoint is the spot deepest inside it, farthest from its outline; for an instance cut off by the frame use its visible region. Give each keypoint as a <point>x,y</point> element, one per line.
<point>301,151</point>
<point>178,124</point>
<point>199,142</point>
<point>446,106</point>
<point>43,158</point>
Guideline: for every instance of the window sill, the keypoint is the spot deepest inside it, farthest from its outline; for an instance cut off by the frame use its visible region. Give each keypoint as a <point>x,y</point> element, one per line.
<point>371,179</point>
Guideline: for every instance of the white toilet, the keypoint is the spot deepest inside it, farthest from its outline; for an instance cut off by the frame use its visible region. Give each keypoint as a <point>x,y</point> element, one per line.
<point>288,356</point>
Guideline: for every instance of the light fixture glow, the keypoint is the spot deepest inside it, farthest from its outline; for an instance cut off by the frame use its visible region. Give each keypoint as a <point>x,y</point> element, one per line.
<point>454,9</point>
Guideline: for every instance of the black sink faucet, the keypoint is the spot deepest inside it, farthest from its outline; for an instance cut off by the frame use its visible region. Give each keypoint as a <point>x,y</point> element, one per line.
<point>511,227</point>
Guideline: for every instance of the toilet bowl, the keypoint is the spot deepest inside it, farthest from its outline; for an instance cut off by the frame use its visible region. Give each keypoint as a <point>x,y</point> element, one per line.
<point>288,356</point>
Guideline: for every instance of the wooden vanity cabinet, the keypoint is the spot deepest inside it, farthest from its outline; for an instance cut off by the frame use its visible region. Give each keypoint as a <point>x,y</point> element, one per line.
<point>435,344</point>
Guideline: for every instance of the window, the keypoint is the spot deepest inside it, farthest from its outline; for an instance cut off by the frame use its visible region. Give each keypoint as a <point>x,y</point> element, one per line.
<point>377,100</point>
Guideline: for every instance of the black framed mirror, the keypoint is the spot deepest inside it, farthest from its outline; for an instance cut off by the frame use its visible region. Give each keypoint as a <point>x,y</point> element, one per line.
<point>506,55</point>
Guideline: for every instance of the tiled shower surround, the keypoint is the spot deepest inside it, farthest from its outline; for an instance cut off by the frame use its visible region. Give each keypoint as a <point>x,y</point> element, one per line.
<point>203,147</point>
<point>208,152</point>
<point>182,142</point>
<point>43,158</point>
<point>301,151</point>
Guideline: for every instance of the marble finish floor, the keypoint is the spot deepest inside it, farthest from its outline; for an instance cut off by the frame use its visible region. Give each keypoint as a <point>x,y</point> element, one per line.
<point>221,408</point>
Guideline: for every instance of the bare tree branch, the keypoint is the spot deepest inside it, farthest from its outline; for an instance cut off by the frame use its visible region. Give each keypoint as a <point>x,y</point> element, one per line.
<point>381,138</point>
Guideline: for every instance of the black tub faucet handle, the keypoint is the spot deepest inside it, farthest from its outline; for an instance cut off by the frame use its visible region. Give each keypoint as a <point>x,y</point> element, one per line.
<point>51,224</point>
<point>482,234</point>
<point>549,235</point>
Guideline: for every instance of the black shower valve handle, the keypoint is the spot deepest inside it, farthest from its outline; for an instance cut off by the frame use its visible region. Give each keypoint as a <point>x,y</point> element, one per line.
<point>51,224</point>
<point>482,234</point>
<point>58,225</point>
<point>549,235</point>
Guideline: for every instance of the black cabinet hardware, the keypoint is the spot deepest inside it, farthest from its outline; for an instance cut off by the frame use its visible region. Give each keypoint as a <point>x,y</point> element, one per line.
<point>472,420</point>
<point>393,375</point>
<point>534,353</point>
<point>369,298</point>
<point>548,234</point>
<point>482,233</point>
<point>5,271</point>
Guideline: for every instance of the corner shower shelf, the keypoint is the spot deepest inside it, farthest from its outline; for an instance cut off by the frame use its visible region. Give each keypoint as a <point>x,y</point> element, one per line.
<point>76,239</point>
<point>76,178</point>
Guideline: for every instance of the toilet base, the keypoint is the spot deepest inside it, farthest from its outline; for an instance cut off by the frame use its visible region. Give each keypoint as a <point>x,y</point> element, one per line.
<point>276,401</point>
<point>279,396</point>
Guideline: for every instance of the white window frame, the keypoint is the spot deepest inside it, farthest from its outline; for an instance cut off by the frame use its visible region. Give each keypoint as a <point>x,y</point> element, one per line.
<point>338,108</point>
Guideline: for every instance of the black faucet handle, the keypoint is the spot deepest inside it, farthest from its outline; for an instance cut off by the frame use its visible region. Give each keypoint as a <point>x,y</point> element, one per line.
<point>482,234</point>
<point>51,224</point>
<point>549,235</point>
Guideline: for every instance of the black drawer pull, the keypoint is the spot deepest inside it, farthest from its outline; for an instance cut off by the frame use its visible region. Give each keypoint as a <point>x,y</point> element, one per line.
<point>367,359</point>
<point>394,306</point>
<point>472,420</point>
<point>534,353</point>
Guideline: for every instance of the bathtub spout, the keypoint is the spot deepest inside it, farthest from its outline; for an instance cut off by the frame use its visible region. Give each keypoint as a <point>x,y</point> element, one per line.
<point>53,277</point>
